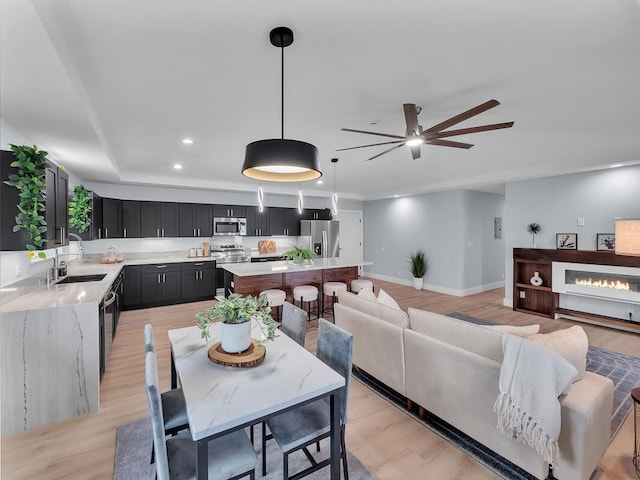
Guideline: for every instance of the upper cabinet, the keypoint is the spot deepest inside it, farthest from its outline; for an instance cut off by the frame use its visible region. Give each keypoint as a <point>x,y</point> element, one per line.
<point>111,218</point>
<point>284,221</point>
<point>316,214</point>
<point>230,211</point>
<point>196,220</point>
<point>56,210</point>
<point>94,231</point>
<point>131,219</point>
<point>258,222</point>
<point>159,219</point>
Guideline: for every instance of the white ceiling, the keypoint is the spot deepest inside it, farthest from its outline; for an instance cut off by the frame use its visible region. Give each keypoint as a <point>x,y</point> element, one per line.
<point>110,87</point>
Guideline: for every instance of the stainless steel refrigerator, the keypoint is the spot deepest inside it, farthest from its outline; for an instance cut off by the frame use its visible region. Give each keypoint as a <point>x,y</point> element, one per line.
<point>324,237</point>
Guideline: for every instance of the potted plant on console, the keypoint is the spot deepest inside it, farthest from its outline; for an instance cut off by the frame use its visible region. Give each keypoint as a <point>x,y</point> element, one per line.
<point>299,256</point>
<point>236,313</point>
<point>418,265</point>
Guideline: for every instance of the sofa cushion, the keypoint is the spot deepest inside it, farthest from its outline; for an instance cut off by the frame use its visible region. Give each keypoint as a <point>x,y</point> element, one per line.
<point>386,299</point>
<point>374,308</point>
<point>571,343</point>
<point>518,330</point>
<point>367,294</point>
<point>465,335</point>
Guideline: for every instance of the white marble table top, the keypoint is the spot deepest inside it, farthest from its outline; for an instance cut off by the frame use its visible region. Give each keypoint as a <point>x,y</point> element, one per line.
<point>265,268</point>
<point>221,398</point>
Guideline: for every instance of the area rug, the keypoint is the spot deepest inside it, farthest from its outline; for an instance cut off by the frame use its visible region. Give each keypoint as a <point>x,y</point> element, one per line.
<point>133,452</point>
<point>623,370</point>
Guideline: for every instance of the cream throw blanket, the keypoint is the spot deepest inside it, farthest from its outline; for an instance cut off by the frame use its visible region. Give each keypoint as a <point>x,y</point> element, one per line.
<point>532,378</point>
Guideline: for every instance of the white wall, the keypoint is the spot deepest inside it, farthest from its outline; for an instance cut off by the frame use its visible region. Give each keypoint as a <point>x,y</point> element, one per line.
<point>454,228</point>
<point>557,202</point>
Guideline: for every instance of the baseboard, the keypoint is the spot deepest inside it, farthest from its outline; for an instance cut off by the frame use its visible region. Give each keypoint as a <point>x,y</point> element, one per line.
<point>507,302</point>
<point>437,288</point>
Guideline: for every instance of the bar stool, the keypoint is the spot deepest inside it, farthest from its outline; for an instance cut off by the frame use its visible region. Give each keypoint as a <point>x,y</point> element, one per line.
<point>276,299</point>
<point>331,289</point>
<point>359,284</point>
<point>308,294</point>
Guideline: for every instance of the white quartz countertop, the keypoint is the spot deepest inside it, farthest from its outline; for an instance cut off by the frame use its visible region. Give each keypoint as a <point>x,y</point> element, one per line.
<point>251,269</point>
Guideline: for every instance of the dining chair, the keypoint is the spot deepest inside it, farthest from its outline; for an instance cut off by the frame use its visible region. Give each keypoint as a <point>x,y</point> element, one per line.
<point>294,323</point>
<point>300,427</point>
<point>173,404</point>
<point>229,457</point>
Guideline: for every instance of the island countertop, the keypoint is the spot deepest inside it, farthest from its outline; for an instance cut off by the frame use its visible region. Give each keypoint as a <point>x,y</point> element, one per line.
<point>265,268</point>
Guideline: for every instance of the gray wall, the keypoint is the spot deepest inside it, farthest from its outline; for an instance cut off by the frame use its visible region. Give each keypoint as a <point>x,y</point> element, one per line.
<point>556,203</point>
<point>455,229</point>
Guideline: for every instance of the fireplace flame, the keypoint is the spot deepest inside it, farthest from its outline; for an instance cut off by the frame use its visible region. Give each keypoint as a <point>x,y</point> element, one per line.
<point>614,284</point>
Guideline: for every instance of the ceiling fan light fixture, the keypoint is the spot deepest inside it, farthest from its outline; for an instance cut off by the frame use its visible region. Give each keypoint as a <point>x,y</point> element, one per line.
<point>414,141</point>
<point>280,159</point>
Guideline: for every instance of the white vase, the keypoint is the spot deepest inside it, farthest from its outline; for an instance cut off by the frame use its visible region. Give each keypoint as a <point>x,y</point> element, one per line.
<point>536,280</point>
<point>417,283</point>
<point>236,337</point>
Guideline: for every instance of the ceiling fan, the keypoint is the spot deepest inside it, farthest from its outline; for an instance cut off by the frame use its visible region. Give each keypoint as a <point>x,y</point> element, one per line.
<point>435,135</point>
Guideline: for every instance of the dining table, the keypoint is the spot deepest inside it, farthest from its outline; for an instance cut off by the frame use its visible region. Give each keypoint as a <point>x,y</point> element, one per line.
<point>221,399</point>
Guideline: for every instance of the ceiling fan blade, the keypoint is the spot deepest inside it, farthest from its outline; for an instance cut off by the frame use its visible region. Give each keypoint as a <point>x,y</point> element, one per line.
<point>386,151</point>
<point>415,151</point>
<point>411,117</point>
<point>481,128</point>
<point>370,145</point>
<point>464,115</point>
<point>371,133</point>
<point>449,143</point>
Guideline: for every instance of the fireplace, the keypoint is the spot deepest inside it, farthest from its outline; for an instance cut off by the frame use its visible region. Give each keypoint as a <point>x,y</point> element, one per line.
<point>613,283</point>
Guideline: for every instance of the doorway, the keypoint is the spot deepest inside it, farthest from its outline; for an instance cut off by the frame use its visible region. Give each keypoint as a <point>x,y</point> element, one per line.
<point>351,231</point>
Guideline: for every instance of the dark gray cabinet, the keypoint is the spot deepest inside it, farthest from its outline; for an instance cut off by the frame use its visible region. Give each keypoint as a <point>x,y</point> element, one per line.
<point>284,221</point>
<point>56,210</point>
<point>198,281</point>
<point>316,214</point>
<point>160,284</point>
<point>257,222</point>
<point>196,220</point>
<point>230,211</point>
<point>159,219</point>
<point>95,216</point>
<point>131,285</point>
<point>111,218</point>
<point>130,219</point>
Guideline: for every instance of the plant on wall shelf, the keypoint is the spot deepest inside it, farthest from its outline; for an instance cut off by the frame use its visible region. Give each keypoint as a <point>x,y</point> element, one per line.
<point>534,228</point>
<point>79,209</point>
<point>30,181</point>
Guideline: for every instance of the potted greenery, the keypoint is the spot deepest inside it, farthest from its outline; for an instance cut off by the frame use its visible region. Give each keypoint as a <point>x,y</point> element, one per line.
<point>534,228</point>
<point>235,312</point>
<point>299,256</point>
<point>79,209</point>
<point>418,265</point>
<point>30,181</point>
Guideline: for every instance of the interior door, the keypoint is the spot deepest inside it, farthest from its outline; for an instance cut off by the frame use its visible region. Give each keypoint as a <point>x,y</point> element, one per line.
<point>351,244</point>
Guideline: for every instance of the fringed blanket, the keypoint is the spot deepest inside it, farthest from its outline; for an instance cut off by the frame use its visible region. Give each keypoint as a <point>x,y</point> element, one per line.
<point>532,378</point>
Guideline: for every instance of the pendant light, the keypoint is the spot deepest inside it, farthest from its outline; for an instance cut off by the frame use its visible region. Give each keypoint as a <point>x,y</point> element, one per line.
<point>280,159</point>
<point>334,197</point>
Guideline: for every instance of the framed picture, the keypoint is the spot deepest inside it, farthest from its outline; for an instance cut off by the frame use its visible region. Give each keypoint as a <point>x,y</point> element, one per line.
<point>567,241</point>
<point>605,241</point>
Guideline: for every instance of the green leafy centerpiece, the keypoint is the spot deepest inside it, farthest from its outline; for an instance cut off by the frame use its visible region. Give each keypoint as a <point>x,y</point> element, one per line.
<point>236,313</point>
<point>299,256</point>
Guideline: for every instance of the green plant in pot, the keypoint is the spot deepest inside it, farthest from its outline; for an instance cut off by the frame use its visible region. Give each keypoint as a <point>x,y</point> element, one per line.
<point>79,209</point>
<point>236,312</point>
<point>299,255</point>
<point>418,265</point>
<point>30,181</point>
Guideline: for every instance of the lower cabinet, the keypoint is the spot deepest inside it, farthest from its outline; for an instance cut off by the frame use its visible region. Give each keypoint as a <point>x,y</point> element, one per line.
<point>131,281</point>
<point>198,281</point>
<point>160,284</point>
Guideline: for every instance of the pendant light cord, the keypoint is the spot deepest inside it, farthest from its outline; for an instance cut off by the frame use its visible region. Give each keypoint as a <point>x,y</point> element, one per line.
<point>282,90</point>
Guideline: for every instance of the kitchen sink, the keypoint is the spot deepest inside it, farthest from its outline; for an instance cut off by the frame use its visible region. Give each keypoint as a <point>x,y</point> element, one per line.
<point>83,278</point>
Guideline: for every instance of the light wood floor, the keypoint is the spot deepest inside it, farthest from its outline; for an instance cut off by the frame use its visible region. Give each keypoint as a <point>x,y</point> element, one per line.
<point>384,438</point>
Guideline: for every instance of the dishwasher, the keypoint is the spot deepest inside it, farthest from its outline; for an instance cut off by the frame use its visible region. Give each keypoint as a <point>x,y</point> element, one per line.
<point>107,318</point>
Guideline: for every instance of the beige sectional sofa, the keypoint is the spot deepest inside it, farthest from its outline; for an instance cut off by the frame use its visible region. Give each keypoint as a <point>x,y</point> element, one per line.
<point>451,368</point>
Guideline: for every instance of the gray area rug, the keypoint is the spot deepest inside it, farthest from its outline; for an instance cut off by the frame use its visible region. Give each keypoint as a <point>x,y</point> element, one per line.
<point>623,370</point>
<point>133,452</point>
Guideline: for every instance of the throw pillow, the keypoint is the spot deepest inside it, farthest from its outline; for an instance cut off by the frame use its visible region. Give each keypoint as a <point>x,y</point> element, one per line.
<point>367,294</point>
<point>571,343</point>
<point>520,331</point>
<point>386,299</point>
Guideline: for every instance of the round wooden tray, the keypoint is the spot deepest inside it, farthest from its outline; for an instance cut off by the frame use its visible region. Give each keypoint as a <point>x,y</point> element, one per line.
<point>254,355</point>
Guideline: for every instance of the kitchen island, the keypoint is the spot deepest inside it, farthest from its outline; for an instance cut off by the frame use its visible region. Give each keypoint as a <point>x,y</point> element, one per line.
<point>253,278</point>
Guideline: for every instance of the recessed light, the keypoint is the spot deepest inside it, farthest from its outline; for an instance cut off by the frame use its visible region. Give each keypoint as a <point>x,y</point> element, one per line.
<point>177,166</point>
<point>319,182</point>
<point>187,141</point>
<point>396,196</point>
<point>616,165</point>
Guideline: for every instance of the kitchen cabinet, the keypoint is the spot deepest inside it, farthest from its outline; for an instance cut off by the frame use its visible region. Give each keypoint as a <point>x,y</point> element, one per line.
<point>196,220</point>
<point>159,219</point>
<point>198,281</point>
<point>95,229</point>
<point>257,222</point>
<point>111,218</point>
<point>131,286</point>
<point>56,212</point>
<point>160,284</point>
<point>230,211</point>
<point>131,219</point>
<point>284,221</point>
<point>316,214</point>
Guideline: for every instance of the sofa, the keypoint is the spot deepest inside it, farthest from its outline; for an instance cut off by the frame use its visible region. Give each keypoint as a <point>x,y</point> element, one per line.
<point>451,368</point>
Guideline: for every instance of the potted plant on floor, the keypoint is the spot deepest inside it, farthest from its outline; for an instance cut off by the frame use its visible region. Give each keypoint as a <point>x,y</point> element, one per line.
<point>236,312</point>
<point>418,267</point>
<point>299,256</point>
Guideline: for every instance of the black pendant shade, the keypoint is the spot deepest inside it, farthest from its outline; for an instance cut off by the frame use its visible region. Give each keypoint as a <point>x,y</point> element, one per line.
<point>280,159</point>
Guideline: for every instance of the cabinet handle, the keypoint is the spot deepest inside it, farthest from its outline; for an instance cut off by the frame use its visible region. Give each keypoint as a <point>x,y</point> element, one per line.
<point>194,232</point>
<point>106,233</point>
<point>162,232</point>
<point>198,232</point>
<point>157,232</point>
<point>158,278</point>
<point>99,232</point>
<point>124,232</point>
<point>198,264</point>
<point>161,266</point>
<point>164,278</point>
<point>196,276</point>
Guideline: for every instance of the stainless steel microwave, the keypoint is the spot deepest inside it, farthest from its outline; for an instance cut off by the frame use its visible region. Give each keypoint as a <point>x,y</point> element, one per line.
<point>229,226</point>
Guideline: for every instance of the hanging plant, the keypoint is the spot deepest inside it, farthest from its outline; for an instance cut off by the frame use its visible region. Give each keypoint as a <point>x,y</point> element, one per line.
<point>30,181</point>
<point>79,209</point>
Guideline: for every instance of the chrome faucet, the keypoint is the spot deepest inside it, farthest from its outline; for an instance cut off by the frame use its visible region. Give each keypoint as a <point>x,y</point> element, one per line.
<point>80,248</point>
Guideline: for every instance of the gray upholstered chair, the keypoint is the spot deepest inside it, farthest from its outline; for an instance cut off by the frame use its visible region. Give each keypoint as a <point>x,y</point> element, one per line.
<point>294,323</point>
<point>300,427</point>
<point>230,456</point>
